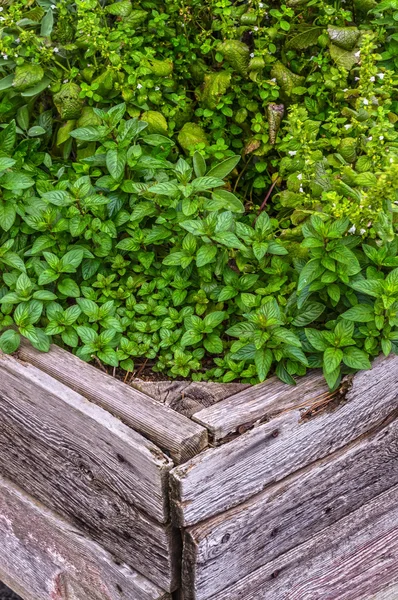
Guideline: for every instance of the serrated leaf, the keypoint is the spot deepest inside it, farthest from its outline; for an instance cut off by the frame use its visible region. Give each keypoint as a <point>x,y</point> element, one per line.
<point>305,39</point>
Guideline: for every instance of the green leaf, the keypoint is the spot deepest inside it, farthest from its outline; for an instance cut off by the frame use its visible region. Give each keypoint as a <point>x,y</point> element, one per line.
<point>164,189</point>
<point>343,58</point>
<point>36,89</point>
<point>202,184</point>
<point>91,133</point>
<point>58,197</point>
<point>86,334</point>
<point>229,239</point>
<point>47,23</point>
<point>69,288</point>
<point>115,162</point>
<point>6,163</point>
<point>356,359</point>
<point>305,39</point>
<point>213,344</point>
<point>223,200</point>
<point>205,255</point>
<point>6,82</point>
<point>361,313</point>
<point>263,361</point>
<point>190,338</point>
<point>332,358</point>
<point>370,287</point>
<point>316,339</point>
<point>199,164</point>
<point>332,378</point>
<point>213,319</point>
<point>224,168</point>
<point>9,341</point>
<point>311,271</point>
<point>71,260</point>
<point>311,312</point>
<point>7,215</point>
<point>36,131</point>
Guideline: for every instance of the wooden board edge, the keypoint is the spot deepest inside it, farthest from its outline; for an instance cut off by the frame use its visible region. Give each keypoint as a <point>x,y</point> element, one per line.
<point>171,431</point>
<point>34,536</point>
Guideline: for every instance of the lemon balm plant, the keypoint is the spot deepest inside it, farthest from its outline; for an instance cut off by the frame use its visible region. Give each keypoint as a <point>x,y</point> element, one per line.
<point>209,187</point>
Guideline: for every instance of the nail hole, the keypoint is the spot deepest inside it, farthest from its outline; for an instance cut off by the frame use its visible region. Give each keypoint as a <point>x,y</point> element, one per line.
<point>274,532</point>
<point>119,589</point>
<point>120,458</point>
<point>225,538</point>
<point>275,574</point>
<point>275,433</point>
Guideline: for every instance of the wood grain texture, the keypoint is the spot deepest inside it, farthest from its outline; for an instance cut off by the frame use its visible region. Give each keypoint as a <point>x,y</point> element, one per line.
<point>228,547</point>
<point>389,593</point>
<point>42,557</point>
<point>356,558</point>
<point>89,467</point>
<point>223,477</point>
<point>171,431</point>
<point>188,397</point>
<point>259,403</point>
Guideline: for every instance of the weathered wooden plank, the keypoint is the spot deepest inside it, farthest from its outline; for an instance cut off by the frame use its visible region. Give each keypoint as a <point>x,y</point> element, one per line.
<point>353,559</point>
<point>42,557</point>
<point>228,547</point>
<point>389,593</point>
<point>171,431</point>
<point>258,404</point>
<point>188,397</point>
<point>226,476</point>
<point>89,467</point>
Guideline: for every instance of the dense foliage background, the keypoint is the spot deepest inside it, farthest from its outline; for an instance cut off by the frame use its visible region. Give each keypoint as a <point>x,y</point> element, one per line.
<point>207,185</point>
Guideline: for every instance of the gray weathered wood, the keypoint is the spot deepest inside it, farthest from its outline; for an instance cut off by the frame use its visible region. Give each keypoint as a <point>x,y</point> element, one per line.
<point>171,431</point>
<point>188,397</point>
<point>258,404</point>
<point>389,593</point>
<point>353,559</point>
<point>226,476</point>
<point>228,547</point>
<point>88,466</point>
<point>42,557</point>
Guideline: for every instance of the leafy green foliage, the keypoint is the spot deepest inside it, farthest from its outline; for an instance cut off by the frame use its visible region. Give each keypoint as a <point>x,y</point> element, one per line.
<point>137,141</point>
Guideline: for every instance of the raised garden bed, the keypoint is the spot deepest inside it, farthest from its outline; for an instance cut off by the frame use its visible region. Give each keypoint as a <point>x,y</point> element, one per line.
<point>271,491</point>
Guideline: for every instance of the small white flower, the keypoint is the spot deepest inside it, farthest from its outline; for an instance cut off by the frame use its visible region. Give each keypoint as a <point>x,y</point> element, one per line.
<point>356,78</point>
<point>301,189</point>
<point>381,137</point>
<point>273,79</point>
<point>139,86</point>
<point>56,50</point>
<point>362,231</point>
<point>17,41</point>
<point>300,176</point>
<point>252,54</point>
<point>380,75</point>
<point>5,56</point>
<point>66,80</point>
<point>345,90</point>
<point>292,152</point>
<point>1,9</point>
<point>2,19</point>
<point>89,65</point>
<point>352,229</point>
<point>357,54</point>
<point>372,78</point>
<point>347,126</point>
<point>53,6</point>
<point>370,138</point>
<point>261,5</point>
<point>391,160</point>
<point>157,88</point>
<point>366,101</point>
<point>255,28</point>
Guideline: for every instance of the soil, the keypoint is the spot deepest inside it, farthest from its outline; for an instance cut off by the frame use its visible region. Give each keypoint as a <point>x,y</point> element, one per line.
<point>6,594</point>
